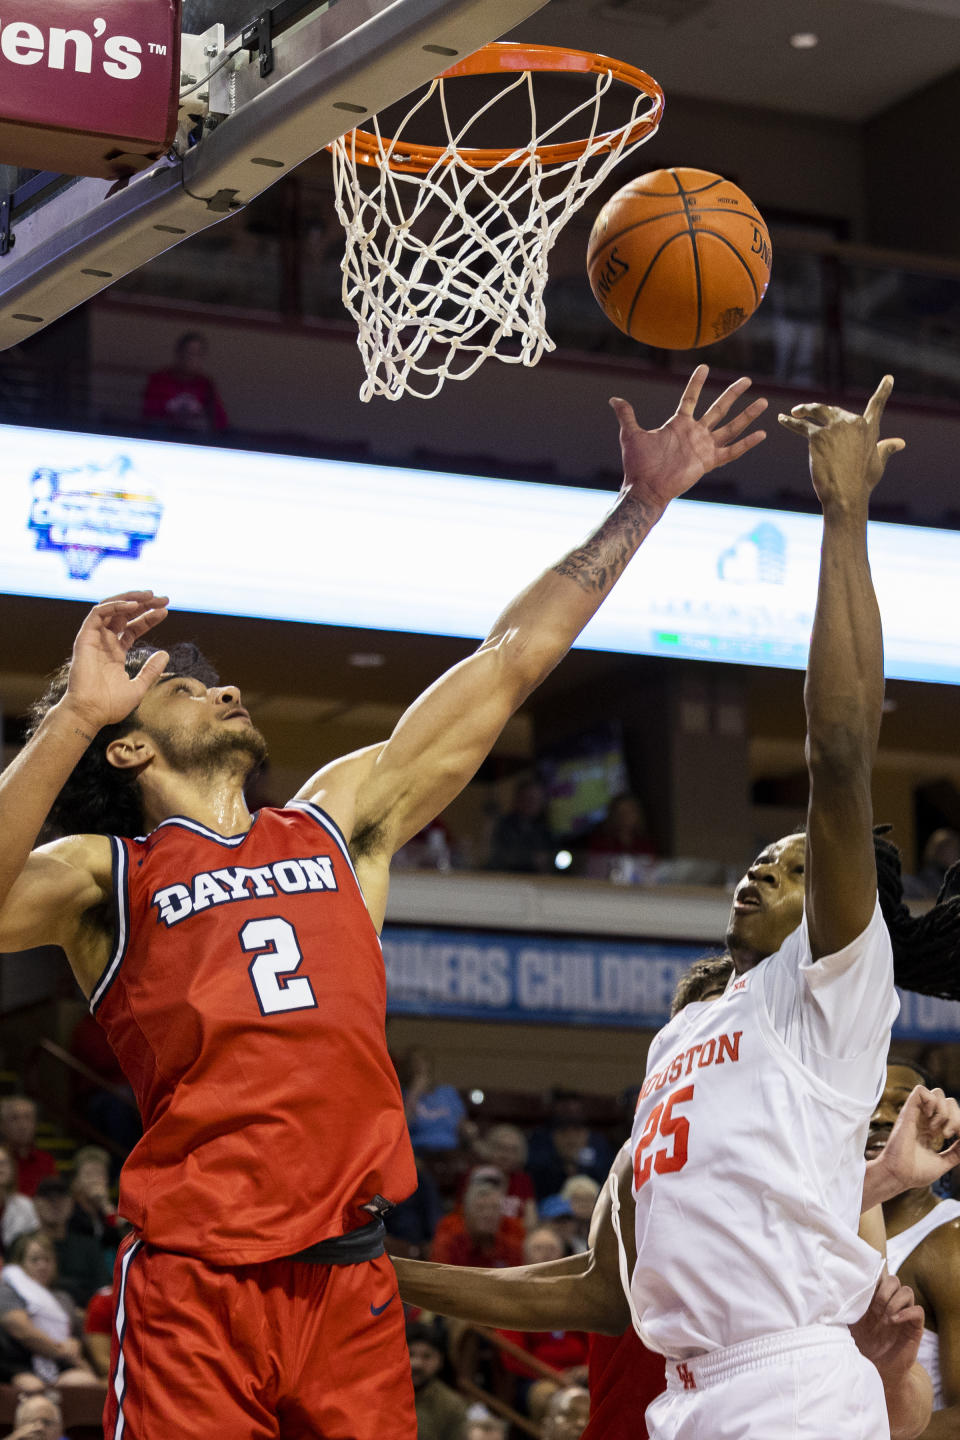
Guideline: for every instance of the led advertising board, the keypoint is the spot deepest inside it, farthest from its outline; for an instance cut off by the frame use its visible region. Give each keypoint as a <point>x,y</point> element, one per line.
<point>325,542</point>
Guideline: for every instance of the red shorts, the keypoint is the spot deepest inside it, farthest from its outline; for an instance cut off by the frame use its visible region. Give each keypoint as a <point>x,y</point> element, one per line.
<point>281,1349</point>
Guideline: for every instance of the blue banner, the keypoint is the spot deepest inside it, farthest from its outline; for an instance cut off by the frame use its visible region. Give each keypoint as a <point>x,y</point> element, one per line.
<point>483,975</point>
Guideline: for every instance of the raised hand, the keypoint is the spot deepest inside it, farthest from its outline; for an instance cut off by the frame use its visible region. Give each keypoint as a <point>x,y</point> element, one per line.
<point>99,690</point>
<point>660,464</point>
<point>925,1141</point>
<point>847,458</point>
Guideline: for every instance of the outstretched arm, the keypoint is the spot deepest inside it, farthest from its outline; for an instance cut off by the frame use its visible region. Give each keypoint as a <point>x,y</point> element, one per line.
<point>581,1292</point>
<point>844,685</point>
<point>444,736</point>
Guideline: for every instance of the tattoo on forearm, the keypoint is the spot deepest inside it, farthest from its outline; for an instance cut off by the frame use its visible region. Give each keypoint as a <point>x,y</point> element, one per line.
<point>601,560</point>
<point>83,734</point>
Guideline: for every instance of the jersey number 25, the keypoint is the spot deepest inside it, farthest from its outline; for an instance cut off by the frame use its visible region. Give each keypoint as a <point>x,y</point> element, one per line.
<point>664,1123</point>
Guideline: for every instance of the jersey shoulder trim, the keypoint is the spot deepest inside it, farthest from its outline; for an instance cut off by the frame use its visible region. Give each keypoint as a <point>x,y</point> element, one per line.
<point>121,922</point>
<point>326,823</point>
<point>183,822</point>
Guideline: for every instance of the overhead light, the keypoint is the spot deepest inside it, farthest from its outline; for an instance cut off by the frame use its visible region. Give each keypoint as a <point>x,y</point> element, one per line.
<point>804,40</point>
<point>366,660</point>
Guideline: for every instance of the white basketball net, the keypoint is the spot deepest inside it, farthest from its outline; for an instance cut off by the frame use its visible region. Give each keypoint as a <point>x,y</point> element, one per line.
<point>432,303</point>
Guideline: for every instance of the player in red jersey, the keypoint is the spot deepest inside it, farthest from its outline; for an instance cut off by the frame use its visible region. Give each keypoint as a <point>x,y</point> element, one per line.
<point>233,961</point>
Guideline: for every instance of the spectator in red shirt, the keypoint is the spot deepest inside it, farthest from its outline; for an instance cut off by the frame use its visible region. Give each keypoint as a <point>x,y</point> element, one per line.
<point>564,1350</point>
<point>18,1130</point>
<point>479,1233</point>
<point>183,396</point>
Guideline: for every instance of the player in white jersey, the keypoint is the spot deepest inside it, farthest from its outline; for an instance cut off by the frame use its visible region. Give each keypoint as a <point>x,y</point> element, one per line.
<point>923,1249</point>
<point>583,1292</point>
<point>748,1142</point>
<point>748,1137</point>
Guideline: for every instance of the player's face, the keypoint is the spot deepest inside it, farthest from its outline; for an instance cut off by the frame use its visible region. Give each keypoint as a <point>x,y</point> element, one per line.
<point>767,903</point>
<point>900,1081</point>
<point>201,728</point>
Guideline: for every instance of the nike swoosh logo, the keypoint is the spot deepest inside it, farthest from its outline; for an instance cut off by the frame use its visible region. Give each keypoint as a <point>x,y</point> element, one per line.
<point>379,1309</point>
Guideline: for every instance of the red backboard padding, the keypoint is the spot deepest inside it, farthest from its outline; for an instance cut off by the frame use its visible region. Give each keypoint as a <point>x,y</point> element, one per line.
<point>88,87</point>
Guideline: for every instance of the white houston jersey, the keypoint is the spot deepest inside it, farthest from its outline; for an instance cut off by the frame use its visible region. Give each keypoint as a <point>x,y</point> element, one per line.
<point>898,1249</point>
<point>748,1157</point>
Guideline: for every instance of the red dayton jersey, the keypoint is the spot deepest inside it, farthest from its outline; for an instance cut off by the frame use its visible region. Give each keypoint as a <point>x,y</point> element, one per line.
<point>245,999</point>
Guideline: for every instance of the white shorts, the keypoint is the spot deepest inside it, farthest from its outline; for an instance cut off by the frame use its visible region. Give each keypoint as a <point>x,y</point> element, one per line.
<point>810,1384</point>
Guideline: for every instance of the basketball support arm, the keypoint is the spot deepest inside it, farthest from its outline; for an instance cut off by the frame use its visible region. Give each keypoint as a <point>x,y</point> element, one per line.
<point>273,100</point>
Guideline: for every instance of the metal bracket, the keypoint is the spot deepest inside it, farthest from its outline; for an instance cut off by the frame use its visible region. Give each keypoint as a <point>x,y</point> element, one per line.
<point>18,202</point>
<point>261,33</point>
<point>199,54</point>
<point>7,237</point>
<point>259,37</point>
<point>223,202</point>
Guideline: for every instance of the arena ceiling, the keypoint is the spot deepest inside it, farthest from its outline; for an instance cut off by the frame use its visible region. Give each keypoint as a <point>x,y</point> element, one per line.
<point>870,54</point>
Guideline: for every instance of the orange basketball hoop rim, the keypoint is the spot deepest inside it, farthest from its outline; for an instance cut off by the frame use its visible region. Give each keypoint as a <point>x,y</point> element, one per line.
<point>506,57</point>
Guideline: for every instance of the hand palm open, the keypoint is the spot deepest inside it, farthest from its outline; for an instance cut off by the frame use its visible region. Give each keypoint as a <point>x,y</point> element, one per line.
<point>666,462</point>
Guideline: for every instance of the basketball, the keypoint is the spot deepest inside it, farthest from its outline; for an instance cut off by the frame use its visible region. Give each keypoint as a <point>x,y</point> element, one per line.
<point>679,258</point>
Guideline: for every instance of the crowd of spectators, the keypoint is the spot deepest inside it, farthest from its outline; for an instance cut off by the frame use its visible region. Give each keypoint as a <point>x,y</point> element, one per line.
<point>495,1197</point>
<point>491,1197</point>
<point>522,840</point>
<point>59,1235</point>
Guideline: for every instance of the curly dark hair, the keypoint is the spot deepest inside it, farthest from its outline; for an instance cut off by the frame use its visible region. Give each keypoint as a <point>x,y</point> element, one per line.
<point>710,973</point>
<point>99,799</point>
<point>926,948</point>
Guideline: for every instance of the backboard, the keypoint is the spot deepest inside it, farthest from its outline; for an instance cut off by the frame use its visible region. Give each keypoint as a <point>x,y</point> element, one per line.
<point>272,87</point>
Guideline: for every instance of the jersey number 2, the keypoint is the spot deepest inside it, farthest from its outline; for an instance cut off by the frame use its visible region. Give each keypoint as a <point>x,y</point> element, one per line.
<point>662,1121</point>
<point>273,942</point>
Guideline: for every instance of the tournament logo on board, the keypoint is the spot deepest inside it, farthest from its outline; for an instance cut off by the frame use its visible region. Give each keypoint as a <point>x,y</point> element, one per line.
<point>91,511</point>
<point>756,558</point>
